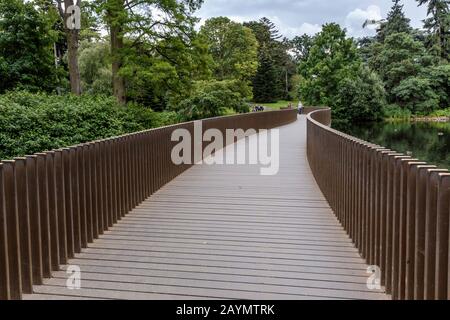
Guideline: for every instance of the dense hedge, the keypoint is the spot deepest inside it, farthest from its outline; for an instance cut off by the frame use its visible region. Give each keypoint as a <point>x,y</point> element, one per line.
<point>31,123</point>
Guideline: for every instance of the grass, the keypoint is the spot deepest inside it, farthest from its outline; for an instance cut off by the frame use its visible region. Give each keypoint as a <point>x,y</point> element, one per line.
<point>279,104</point>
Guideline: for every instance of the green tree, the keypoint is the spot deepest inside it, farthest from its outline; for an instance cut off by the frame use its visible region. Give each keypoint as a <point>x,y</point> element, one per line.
<point>264,89</point>
<point>212,98</point>
<point>438,26</point>
<point>301,45</point>
<point>147,24</point>
<point>417,95</point>
<point>26,47</point>
<point>233,48</point>
<point>360,98</point>
<point>396,22</point>
<point>334,76</point>
<point>332,57</point>
<point>272,47</point>
<point>94,59</point>
<point>399,58</point>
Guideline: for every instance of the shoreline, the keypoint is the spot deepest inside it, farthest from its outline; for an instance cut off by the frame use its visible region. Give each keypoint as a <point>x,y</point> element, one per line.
<point>420,119</point>
<point>430,119</point>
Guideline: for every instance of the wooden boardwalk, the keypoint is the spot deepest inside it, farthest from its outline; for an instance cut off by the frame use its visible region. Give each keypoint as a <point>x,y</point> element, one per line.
<point>225,232</point>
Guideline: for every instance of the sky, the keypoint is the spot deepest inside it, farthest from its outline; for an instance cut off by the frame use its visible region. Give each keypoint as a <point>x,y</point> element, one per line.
<point>296,17</point>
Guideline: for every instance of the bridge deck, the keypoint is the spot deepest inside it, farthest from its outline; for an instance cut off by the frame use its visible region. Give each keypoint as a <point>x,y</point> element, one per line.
<point>225,232</point>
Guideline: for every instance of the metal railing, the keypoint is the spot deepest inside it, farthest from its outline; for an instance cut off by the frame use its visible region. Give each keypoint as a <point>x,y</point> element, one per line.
<point>53,204</point>
<point>396,209</point>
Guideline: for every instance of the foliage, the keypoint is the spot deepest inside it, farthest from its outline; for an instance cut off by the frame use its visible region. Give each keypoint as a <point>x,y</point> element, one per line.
<point>31,123</point>
<point>233,48</point>
<point>276,65</point>
<point>398,58</point>
<point>395,112</point>
<point>264,89</point>
<point>438,26</point>
<point>396,22</point>
<point>360,98</point>
<point>301,45</point>
<point>26,47</point>
<point>94,59</point>
<point>212,99</point>
<point>417,95</point>
<point>332,58</point>
<point>439,77</point>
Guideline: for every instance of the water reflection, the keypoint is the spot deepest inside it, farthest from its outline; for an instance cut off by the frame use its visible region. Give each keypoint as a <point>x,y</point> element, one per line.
<point>425,141</point>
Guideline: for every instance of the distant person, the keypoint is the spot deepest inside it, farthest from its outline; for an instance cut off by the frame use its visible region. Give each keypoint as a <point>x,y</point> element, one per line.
<point>300,107</point>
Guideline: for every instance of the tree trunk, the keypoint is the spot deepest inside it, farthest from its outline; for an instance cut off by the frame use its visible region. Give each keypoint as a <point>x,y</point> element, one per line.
<point>116,47</point>
<point>115,19</point>
<point>72,36</point>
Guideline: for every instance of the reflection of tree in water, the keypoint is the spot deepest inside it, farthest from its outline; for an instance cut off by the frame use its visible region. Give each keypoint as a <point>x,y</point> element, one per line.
<point>425,141</point>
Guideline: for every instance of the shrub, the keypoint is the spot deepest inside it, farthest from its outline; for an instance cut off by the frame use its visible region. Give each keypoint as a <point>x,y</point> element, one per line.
<point>361,98</point>
<point>212,99</point>
<point>31,123</point>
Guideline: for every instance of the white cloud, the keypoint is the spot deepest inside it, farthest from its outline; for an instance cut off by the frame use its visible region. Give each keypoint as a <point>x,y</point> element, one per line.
<point>355,20</point>
<point>306,16</point>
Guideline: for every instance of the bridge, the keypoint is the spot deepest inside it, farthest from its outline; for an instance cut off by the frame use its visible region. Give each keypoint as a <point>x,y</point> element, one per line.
<point>137,226</point>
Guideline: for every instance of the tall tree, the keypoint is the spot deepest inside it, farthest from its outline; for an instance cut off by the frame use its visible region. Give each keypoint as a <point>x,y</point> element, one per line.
<point>264,80</point>
<point>71,15</point>
<point>334,76</point>
<point>399,57</point>
<point>332,57</point>
<point>233,48</point>
<point>396,22</point>
<point>438,26</point>
<point>275,49</point>
<point>301,46</point>
<point>134,22</point>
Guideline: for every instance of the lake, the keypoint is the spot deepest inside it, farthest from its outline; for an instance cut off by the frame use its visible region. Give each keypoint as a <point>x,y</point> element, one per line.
<point>427,141</point>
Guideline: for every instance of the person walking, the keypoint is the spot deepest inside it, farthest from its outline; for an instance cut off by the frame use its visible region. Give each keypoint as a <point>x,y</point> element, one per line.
<point>300,107</point>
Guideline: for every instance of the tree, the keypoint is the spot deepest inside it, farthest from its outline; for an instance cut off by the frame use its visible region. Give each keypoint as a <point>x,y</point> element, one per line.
<point>332,57</point>
<point>145,23</point>
<point>438,26</point>
<point>212,98</point>
<point>301,45</point>
<point>334,75</point>
<point>275,49</point>
<point>71,12</point>
<point>233,48</point>
<point>26,47</point>
<point>417,95</point>
<point>396,22</point>
<point>360,98</point>
<point>399,58</point>
<point>94,59</point>
<point>264,80</point>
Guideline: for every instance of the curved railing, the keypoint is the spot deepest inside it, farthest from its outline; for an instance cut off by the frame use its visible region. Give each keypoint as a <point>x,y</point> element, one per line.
<point>396,209</point>
<point>53,204</point>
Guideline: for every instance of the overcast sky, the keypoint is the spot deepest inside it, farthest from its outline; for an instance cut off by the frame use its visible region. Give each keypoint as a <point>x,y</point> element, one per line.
<point>295,17</point>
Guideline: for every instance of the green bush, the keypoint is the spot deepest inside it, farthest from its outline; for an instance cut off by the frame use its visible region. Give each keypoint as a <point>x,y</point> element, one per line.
<point>359,98</point>
<point>395,112</point>
<point>31,123</point>
<point>212,99</point>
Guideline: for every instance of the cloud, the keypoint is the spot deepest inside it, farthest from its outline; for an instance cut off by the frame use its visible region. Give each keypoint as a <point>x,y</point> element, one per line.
<point>295,17</point>
<point>356,18</point>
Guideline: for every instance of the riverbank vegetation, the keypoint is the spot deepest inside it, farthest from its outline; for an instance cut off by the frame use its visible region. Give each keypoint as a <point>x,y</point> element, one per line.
<point>398,73</point>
